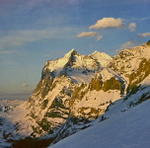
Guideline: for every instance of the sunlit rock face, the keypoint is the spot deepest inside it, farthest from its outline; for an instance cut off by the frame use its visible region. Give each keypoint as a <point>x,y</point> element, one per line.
<point>82,86</point>
<point>66,83</point>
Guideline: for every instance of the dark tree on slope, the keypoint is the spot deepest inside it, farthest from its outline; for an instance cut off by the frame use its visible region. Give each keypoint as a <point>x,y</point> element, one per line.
<point>148,42</point>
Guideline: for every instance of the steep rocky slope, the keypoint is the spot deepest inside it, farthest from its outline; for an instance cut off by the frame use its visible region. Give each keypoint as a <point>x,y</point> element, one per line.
<point>69,90</point>
<point>133,64</point>
<point>78,88</point>
<point>124,124</point>
<point>124,130</point>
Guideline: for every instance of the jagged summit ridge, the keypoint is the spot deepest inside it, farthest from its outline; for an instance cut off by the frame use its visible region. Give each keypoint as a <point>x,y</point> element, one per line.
<point>129,60</point>
<point>71,53</point>
<point>137,51</point>
<point>77,62</point>
<point>60,63</point>
<point>103,58</point>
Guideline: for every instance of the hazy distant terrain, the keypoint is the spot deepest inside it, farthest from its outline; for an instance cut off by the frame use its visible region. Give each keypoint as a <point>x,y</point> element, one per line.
<point>15,96</point>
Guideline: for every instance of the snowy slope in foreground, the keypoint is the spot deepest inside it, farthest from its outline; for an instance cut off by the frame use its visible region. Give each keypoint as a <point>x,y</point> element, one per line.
<point>130,129</point>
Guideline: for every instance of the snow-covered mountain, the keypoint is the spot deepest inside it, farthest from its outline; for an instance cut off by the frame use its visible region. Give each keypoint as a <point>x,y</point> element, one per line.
<point>69,90</point>
<point>77,91</point>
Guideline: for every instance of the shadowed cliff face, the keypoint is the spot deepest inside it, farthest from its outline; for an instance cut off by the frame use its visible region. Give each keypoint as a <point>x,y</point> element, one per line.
<point>31,143</point>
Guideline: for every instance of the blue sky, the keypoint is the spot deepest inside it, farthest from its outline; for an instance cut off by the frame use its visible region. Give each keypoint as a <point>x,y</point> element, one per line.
<point>33,31</point>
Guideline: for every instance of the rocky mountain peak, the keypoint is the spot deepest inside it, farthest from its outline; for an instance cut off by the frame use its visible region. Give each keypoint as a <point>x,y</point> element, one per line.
<point>137,51</point>
<point>98,53</point>
<point>58,65</point>
<point>73,61</point>
<point>103,58</point>
<point>84,85</point>
<point>71,53</point>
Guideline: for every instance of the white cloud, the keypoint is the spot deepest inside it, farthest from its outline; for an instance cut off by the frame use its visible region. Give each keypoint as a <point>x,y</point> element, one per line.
<point>132,27</point>
<point>89,34</point>
<point>141,18</point>
<point>99,37</point>
<point>145,18</point>
<point>86,34</point>
<point>128,44</point>
<point>17,38</point>
<point>144,34</point>
<point>7,51</point>
<point>20,37</point>
<point>108,22</point>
